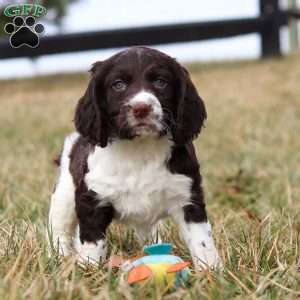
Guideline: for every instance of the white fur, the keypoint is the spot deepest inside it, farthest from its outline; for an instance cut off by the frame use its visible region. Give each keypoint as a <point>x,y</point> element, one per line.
<point>62,217</point>
<point>133,177</point>
<point>92,252</point>
<point>155,116</point>
<point>152,236</point>
<point>198,237</point>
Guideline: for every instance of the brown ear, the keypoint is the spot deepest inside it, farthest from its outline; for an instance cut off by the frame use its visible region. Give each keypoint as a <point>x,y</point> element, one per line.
<point>90,119</point>
<point>191,112</point>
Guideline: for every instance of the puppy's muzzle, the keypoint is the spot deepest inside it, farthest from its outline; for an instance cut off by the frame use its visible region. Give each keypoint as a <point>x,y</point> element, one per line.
<point>141,110</point>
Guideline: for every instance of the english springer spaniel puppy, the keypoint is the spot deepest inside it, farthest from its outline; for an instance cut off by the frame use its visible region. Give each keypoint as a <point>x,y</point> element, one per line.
<point>132,159</point>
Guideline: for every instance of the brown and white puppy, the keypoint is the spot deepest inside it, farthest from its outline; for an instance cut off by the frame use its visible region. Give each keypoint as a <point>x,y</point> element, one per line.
<point>131,158</point>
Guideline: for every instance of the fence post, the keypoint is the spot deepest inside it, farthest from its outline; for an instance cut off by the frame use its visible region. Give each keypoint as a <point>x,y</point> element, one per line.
<point>293,28</point>
<point>270,33</point>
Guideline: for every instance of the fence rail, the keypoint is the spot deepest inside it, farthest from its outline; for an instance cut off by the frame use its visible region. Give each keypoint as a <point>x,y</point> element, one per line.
<point>267,25</point>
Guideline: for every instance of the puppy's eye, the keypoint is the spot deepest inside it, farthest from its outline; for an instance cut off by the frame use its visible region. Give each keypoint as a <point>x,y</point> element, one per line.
<point>160,83</point>
<point>119,85</point>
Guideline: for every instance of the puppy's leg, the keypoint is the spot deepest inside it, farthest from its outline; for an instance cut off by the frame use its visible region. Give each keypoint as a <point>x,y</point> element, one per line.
<point>149,234</point>
<point>93,222</point>
<point>196,232</point>
<point>62,215</point>
<point>62,222</point>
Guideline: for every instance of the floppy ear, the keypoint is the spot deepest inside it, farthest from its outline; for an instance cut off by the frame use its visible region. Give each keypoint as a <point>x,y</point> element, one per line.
<point>191,111</point>
<point>90,119</point>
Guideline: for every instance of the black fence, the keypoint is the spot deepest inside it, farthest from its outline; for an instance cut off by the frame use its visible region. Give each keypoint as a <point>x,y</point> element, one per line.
<point>267,25</point>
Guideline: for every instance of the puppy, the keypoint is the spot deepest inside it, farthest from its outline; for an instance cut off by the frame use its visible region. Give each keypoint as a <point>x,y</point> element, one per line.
<point>132,159</point>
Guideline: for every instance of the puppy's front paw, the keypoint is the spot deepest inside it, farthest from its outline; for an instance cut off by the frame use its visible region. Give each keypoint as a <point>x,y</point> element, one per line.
<point>200,242</point>
<point>206,257</point>
<point>92,252</point>
<point>61,244</point>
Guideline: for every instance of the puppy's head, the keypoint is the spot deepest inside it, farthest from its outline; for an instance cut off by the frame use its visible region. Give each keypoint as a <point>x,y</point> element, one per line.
<point>139,92</point>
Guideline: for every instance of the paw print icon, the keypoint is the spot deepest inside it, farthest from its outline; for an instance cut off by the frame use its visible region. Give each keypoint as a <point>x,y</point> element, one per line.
<point>24,32</point>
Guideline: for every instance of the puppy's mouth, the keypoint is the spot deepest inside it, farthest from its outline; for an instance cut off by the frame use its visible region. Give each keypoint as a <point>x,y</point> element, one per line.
<point>145,125</point>
<point>146,129</point>
<point>140,120</point>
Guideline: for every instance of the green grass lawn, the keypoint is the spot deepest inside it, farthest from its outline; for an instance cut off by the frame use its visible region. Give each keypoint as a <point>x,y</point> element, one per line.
<point>250,160</point>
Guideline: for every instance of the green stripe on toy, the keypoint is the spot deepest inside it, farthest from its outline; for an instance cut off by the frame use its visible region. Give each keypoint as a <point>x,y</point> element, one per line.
<point>158,249</point>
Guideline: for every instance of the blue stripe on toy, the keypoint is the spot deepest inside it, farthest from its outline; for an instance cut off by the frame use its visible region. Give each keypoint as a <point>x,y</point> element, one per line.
<point>157,259</point>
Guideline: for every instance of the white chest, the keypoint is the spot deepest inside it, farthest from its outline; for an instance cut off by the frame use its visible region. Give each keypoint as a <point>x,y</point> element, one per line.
<point>132,176</point>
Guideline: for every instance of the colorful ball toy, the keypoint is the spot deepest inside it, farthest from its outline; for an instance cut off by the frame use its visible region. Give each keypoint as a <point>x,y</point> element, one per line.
<point>165,269</point>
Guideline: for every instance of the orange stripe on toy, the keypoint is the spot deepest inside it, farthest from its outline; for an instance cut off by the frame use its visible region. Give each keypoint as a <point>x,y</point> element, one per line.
<point>139,273</point>
<point>116,261</point>
<point>177,267</point>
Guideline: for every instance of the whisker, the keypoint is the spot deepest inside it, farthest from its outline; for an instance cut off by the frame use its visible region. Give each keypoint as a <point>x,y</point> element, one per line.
<point>170,119</point>
<point>166,126</point>
<point>122,126</point>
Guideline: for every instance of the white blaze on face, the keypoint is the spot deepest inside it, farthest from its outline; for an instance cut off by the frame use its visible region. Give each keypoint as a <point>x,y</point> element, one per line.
<point>152,122</point>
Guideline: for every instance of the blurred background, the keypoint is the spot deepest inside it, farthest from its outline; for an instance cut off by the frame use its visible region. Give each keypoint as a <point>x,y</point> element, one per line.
<point>78,16</point>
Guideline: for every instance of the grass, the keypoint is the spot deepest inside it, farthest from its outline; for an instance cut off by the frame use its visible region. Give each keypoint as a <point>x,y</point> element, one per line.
<point>250,161</point>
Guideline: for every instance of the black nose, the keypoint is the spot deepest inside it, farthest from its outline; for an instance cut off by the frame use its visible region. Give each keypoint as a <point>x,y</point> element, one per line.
<point>141,110</point>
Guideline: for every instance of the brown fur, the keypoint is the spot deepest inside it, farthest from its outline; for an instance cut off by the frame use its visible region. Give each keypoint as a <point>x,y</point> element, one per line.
<point>101,117</point>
